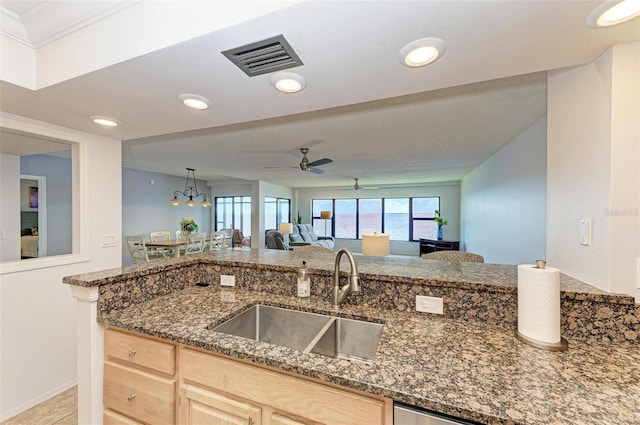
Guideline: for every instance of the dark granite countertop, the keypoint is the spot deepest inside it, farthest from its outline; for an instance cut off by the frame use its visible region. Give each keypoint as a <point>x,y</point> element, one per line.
<point>467,369</point>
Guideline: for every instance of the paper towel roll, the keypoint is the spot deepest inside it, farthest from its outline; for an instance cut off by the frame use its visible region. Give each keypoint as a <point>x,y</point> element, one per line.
<point>539,303</point>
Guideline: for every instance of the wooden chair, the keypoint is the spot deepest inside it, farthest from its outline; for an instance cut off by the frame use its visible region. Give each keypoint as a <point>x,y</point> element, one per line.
<point>227,241</point>
<point>139,252</point>
<point>217,240</point>
<point>454,256</point>
<point>195,243</point>
<point>163,235</point>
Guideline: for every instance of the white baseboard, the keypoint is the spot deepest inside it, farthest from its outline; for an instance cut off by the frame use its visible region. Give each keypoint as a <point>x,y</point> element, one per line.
<point>34,402</point>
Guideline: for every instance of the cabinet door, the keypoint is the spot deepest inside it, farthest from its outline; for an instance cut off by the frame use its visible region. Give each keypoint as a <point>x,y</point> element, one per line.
<point>200,406</point>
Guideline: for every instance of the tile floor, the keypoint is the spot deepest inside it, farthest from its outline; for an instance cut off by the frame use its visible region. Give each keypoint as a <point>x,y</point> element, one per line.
<point>59,410</point>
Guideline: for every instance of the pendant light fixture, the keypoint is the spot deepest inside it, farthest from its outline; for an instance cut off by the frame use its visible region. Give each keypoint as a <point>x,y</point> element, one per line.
<point>190,191</point>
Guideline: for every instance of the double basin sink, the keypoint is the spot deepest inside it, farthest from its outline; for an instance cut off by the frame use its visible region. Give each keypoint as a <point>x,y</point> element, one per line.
<point>331,336</point>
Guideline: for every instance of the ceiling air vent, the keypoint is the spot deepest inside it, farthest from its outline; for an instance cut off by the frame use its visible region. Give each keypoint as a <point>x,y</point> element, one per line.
<point>262,57</point>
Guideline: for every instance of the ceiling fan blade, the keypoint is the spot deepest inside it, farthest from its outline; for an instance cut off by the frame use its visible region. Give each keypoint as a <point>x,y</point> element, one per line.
<point>316,170</point>
<point>322,161</point>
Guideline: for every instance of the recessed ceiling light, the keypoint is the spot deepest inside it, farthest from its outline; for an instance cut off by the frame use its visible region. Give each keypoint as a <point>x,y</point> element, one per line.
<point>613,12</point>
<point>288,82</point>
<point>421,52</point>
<point>105,121</point>
<point>194,101</point>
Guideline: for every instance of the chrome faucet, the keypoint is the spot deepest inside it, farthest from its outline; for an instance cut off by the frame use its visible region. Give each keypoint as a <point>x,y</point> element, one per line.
<point>339,294</point>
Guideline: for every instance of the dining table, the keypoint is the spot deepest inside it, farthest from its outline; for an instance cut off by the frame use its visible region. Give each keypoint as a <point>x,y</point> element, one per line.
<point>174,244</point>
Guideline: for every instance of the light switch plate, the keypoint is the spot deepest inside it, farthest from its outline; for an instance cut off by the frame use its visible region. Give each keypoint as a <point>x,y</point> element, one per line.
<point>108,241</point>
<point>227,280</point>
<point>429,304</point>
<point>585,232</point>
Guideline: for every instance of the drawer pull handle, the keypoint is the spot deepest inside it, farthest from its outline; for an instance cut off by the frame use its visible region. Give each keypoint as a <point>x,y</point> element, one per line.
<point>131,397</point>
<point>250,421</point>
<point>132,352</point>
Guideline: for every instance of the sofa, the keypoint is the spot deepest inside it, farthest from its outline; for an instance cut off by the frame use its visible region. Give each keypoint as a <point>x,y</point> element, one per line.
<point>304,234</point>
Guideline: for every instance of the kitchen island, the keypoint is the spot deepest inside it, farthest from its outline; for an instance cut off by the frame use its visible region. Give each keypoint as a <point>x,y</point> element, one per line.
<point>467,363</point>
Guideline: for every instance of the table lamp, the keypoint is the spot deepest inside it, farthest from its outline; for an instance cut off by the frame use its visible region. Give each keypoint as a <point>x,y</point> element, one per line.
<point>286,229</point>
<point>325,215</point>
<point>376,244</point>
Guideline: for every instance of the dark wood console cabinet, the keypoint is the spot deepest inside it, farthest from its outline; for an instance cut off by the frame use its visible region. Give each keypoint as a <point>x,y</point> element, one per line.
<point>432,245</point>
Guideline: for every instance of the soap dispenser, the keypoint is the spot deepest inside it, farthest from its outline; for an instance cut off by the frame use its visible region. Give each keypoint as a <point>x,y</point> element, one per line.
<point>304,283</point>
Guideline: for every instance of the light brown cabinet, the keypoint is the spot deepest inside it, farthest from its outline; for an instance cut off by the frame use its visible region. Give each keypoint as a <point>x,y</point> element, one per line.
<point>200,406</point>
<point>252,392</point>
<point>139,380</point>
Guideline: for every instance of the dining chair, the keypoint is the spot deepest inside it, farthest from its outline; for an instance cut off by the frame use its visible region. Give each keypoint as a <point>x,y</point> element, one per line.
<point>195,243</point>
<point>163,235</point>
<point>228,237</point>
<point>139,252</point>
<point>217,240</point>
<point>181,234</point>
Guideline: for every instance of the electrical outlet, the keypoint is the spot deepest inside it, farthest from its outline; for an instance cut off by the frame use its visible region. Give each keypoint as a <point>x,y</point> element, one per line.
<point>227,280</point>
<point>429,304</point>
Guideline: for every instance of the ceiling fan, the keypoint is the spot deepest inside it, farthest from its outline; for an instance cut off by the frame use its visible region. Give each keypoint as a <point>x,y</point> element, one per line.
<point>357,186</point>
<point>306,165</point>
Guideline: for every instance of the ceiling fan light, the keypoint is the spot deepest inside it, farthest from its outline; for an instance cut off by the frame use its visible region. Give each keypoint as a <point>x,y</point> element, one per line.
<point>194,101</point>
<point>613,12</point>
<point>288,82</point>
<point>421,52</point>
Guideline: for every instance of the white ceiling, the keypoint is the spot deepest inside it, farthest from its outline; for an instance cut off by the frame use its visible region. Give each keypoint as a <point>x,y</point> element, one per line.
<point>377,119</point>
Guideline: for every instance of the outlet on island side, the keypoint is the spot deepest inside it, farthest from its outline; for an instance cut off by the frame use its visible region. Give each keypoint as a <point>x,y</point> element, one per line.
<point>227,280</point>
<point>429,304</point>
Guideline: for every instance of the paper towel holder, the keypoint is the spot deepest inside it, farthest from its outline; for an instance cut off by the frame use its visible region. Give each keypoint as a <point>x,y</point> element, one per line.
<point>549,346</point>
<point>562,345</point>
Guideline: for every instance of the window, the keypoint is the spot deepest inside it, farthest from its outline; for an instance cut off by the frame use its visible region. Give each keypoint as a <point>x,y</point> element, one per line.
<point>396,218</point>
<point>346,218</point>
<point>369,216</point>
<point>234,212</point>
<point>276,211</point>
<point>404,219</point>
<point>318,205</point>
<point>422,215</point>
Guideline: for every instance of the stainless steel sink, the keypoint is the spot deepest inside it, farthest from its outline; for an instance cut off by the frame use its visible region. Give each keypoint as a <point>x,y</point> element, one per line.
<point>351,339</point>
<point>306,332</point>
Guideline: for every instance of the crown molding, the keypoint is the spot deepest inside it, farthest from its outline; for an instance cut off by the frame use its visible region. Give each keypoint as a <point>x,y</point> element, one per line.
<point>49,22</point>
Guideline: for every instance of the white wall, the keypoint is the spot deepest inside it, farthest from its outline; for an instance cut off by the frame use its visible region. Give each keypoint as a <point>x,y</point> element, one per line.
<point>9,207</point>
<point>625,169</point>
<point>504,201</point>
<point>449,194</point>
<point>145,205</point>
<point>593,169</point>
<point>37,311</point>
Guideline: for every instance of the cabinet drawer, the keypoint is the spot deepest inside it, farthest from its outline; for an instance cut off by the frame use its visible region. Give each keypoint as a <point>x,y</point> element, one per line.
<point>140,395</point>
<point>302,398</point>
<point>113,418</point>
<point>140,351</point>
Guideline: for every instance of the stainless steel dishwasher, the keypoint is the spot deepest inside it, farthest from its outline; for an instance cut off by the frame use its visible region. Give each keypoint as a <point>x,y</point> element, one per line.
<point>408,415</point>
